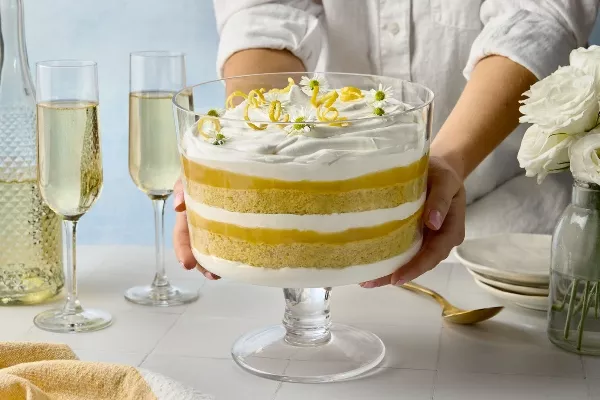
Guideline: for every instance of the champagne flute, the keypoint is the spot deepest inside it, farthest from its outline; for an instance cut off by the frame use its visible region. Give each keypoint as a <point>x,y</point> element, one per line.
<point>69,172</point>
<point>154,163</point>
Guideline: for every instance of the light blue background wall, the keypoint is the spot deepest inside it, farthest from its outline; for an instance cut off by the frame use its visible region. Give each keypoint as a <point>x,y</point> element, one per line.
<point>107,31</point>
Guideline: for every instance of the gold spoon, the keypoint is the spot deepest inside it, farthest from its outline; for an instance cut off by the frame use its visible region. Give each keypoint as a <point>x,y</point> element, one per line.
<point>453,314</point>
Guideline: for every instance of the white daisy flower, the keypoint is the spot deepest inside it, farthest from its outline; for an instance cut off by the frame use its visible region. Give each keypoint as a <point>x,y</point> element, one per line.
<point>283,98</point>
<point>308,84</point>
<point>301,121</point>
<point>381,96</point>
<point>219,139</point>
<point>215,112</point>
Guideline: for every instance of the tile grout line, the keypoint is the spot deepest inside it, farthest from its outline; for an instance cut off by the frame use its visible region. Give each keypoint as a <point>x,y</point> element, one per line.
<point>439,351</point>
<point>437,363</point>
<point>280,385</point>
<point>159,340</point>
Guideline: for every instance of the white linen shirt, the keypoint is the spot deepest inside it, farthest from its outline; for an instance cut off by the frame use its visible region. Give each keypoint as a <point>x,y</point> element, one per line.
<point>436,43</point>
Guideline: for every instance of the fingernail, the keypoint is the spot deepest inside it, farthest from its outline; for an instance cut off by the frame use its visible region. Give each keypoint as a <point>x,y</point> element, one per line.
<point>400,282</point>
<point>435,219</point>
<point>367,285</point>
<point>177,200</point>
<point>208,275</point>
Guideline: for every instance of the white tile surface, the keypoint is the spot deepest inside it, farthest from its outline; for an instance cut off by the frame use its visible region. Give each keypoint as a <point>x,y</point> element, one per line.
<point>205,337</point>
<point>107,290</point>
<point>456,386</point>
<point>508,357</point>
<point>140,260</point>
<point>499,348</point>
<point>384,384</point>
<point>404,349</point>
<point>220,378</point>
<point>132,331</point>
<point>233,300</point>
<point>591,366</point>
<point>114,357</point>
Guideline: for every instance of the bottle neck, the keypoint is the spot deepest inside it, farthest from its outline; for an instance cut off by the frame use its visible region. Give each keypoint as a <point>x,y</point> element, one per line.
<point>14,68</point>
<point>586,195</point>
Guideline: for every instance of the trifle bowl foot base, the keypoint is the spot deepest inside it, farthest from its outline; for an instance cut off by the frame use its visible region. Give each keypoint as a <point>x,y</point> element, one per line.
<point>313,349</point>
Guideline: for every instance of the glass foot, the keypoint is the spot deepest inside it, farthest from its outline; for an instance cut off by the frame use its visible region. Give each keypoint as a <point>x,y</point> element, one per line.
<point>346,353</point>
<point>88,320</point>
<point>166,296</point>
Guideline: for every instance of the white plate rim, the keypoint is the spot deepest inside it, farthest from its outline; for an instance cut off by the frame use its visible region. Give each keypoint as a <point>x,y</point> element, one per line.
<point>524,290</point>
<point>531,278</point>
<point>539,303</point>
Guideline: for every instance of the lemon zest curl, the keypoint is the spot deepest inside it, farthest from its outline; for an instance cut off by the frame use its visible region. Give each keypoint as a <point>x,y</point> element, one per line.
<point>261,127</point>
<point>213,121</point>
<point>351,93</point>
<point>285,89</point>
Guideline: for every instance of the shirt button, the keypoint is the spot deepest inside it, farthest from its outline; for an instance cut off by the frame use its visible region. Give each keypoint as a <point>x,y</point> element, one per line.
<point>393,28</point>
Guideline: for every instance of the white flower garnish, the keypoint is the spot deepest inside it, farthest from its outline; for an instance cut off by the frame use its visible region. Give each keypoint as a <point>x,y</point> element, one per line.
<point>565,102</point>
<point>380,97</point>
<point>283,98</point>
<point>308,85</point>
<point>380,110</point>
<point>215,112</point>
<point>584,160</point>
<point>301,121</point>
<point>219,139</point>
<point>587,60</point>
<point>542,153</point>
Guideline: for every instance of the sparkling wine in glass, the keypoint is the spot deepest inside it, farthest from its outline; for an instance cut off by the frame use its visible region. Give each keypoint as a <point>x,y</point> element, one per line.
<point>69,172</point>
<point>154,163</point>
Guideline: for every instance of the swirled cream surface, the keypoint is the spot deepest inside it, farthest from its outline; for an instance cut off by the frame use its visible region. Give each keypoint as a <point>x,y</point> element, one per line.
<point>306,148</point>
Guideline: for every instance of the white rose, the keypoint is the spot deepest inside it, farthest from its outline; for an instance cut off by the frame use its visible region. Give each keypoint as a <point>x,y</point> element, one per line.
<point>542,153</point>
<point>564,102</point>
<point>585,163</point>
<point>587,60</point>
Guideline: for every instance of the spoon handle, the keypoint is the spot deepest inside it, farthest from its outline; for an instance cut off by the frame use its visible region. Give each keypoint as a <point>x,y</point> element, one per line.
<point>415,287</point>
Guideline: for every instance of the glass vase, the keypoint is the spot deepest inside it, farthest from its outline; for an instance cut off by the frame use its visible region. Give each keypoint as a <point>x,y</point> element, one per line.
<point>574,311</point>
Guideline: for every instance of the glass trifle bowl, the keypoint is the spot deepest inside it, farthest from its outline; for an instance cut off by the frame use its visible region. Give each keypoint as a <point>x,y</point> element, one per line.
<point>305,182</point>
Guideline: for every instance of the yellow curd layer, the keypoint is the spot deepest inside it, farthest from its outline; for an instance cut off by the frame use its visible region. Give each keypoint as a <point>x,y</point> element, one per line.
<point>291,236</point>
<point>208,176</point>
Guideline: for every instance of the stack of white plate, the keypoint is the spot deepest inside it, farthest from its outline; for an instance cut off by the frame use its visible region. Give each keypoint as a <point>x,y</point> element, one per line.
<point>512,267</point>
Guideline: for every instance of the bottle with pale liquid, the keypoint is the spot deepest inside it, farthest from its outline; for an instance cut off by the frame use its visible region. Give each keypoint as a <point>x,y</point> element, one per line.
<point>30,233</point>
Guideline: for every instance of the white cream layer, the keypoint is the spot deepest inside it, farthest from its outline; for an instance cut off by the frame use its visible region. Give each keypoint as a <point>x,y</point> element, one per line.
<point>304,277</point>
<point>325,153</point>
<point>313,222</point>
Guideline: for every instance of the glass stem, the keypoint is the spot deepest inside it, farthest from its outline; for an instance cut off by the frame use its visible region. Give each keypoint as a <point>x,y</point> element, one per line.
<point>160,279</point>
<point>306,319</point>
<point>72,306</point>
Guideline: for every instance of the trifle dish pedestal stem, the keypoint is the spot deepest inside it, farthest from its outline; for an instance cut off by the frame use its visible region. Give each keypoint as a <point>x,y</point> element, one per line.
<point>318,350</point>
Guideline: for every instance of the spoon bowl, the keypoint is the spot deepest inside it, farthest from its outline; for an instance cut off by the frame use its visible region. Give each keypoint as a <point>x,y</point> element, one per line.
<point>454,314</point>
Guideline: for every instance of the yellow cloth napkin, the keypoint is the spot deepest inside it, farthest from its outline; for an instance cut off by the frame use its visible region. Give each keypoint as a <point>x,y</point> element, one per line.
<point>43,371</point>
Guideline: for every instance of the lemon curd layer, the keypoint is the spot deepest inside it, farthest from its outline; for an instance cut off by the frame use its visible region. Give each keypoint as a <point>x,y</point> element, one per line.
<point>290,236</point>
<point>204,175</point>
<point>296,249</point>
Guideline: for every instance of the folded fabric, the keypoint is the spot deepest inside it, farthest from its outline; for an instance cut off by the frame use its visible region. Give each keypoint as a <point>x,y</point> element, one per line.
<point>43,371</point>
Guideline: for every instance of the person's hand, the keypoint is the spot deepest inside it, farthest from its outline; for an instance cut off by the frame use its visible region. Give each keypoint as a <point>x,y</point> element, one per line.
<point>444,217</point>
<point>181,235</point>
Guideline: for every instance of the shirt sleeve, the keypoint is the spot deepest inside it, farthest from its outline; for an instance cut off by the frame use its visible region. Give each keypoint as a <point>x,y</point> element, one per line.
<point>537,34</point>
<point>292,25</point>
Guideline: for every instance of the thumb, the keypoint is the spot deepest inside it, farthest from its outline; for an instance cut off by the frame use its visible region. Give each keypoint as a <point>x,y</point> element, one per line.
<point>442,188</point>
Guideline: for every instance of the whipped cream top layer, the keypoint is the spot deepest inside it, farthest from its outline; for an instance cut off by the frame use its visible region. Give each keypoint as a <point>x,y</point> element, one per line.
<point>306,148</point>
